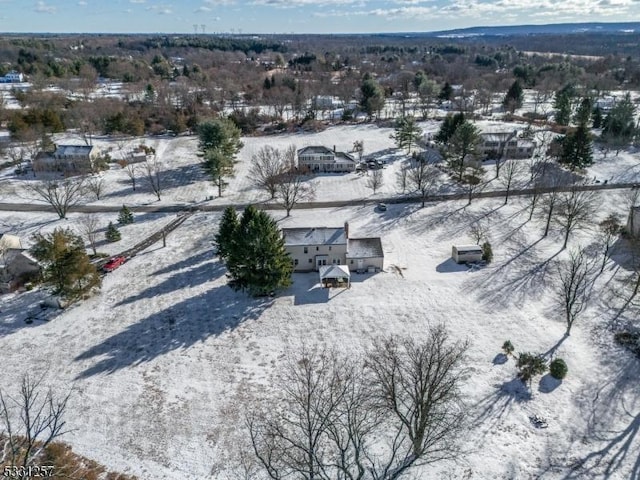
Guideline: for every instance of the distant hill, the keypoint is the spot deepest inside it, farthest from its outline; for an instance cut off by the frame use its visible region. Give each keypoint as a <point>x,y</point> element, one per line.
<point>550,29</point>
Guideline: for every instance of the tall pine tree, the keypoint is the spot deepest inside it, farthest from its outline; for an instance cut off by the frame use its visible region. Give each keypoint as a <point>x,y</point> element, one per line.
<point>258,262</point>
<point>66,264</point>
<point>227,232</point>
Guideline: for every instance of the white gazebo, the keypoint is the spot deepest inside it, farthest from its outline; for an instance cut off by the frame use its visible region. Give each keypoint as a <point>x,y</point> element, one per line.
<point>336,273</point>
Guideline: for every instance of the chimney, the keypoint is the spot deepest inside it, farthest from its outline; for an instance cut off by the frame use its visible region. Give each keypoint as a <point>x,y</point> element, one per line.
<point>334,149</point>
<point>346,230</point>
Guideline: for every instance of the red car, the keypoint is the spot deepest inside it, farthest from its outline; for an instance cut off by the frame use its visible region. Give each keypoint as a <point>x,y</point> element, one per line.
<point>113,263</point>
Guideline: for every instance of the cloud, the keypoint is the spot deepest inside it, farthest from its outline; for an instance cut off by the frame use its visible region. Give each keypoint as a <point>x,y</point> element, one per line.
<point>302,3</point>
<point>137,1</point>
<point>161,9</point>
<point>203,8</point>
<point>82,3</point>
<point>42,7</point>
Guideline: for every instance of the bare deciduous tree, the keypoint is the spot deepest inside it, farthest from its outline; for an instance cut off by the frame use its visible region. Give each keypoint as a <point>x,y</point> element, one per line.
<point>422,178</point>
<point>574,286</point>
<point>61,194</point>
<point>478,232</point>
<point>130,167</point>
<point>402,179</point>
<point>294,188</point>
<point>510,172</point>
<point>575,211</point>
<point>31,420</point>
<point>88,226</point>
<point>95,185</point>
<point>153,170</point>
<point>417,384</point>
<point>375,180</point>
<point>268,164</point>
<point>338,417</point>
<point>609,232</point>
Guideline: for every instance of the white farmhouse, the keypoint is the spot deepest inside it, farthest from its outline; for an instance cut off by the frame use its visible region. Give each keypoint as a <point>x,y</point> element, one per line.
<point>320,159</point>
<point>68,159</point>
<point>312,248</point>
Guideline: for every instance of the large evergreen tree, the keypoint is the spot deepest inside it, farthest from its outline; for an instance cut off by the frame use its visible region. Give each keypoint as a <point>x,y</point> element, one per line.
<point>464,142</point>
<point>218,166</point>
<point>125,217</point>
<point>562,104</point>
<point>257,261</point>
<point>448,127</point>
<point>577,151</point>
<point>372,96</point>
<point>220,134</point>
<point>514,97</point>
<point>407,133</point>
<point>619,126</point>
<point>66,265</point>
<point>227,232</point>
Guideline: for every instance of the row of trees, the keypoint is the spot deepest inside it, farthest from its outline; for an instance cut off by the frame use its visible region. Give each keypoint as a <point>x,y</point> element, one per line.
<point>376,416</point>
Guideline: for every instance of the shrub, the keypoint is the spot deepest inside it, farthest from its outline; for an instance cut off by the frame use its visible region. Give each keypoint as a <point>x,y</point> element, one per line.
<point>530,365</point>
<point>125,217</point>
<point>558,369</point>
<point>487,252</point>
<point>112,234</point>
<point>507,347</point>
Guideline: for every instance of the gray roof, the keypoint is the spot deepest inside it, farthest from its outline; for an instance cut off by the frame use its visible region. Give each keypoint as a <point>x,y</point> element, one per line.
<point>314,236</point>
<point>343,157</point>
<point>315,150</point>
<point>365,248</point>
<point>73,150</point>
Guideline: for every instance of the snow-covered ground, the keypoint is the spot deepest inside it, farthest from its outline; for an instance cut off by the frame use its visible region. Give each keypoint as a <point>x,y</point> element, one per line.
<point>160,360</point>
<point>185,183</point>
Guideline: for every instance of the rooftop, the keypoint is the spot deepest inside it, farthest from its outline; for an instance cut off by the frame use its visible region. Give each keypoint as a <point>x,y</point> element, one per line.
<point>315,150</point>
<point>73,150</point>
<point>314,236</point>
<point>365,248</point>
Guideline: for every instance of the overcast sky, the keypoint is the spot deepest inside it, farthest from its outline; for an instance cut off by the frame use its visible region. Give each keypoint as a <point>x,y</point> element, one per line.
<point>299,16</point>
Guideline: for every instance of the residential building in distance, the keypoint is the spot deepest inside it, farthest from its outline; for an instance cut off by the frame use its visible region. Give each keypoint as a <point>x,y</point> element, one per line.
<point>68,159</point>
<point>320,159</point>
<point>12,77</point>
<point>505,145</point>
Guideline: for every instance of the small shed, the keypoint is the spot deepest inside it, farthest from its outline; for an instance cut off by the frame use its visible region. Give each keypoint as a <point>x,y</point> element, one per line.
<point>466,253</point>
<point>335,275</point>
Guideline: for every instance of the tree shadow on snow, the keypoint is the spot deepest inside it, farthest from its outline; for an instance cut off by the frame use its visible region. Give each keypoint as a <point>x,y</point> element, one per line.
<point>182,325</point>
<point>493,407</point>
<point>613,403</point>
<point>192,272</point>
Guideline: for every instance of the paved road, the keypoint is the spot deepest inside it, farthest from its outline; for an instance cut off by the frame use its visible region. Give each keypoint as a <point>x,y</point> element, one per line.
<point>41,207</point>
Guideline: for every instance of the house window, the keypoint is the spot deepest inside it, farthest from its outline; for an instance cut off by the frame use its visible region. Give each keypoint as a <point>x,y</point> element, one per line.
<point>351,262</point>
<point>338,262</point>
<point>317,248</point>
<point>295,261</point>
<point>310,261</point>
<point>306,249</point>
<point>329,247</point>
<point>334,261</point>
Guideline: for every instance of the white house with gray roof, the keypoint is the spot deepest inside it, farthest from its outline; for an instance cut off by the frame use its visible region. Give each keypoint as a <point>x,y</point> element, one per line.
<point>320,159</point>
<point>69,159</point>
<point>312,248</point>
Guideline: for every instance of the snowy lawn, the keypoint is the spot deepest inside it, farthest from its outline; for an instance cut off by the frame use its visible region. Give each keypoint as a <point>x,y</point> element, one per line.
<point>161,360</point>
<point>185,183</point>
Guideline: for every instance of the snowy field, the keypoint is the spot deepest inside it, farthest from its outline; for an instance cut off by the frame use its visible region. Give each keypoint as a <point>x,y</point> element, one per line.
<point>162,359</point>
<point>184,182</point>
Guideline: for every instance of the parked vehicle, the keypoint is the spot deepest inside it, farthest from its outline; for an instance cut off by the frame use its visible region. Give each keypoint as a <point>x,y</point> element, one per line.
<point>382,207</point>
<point>113,263</point>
